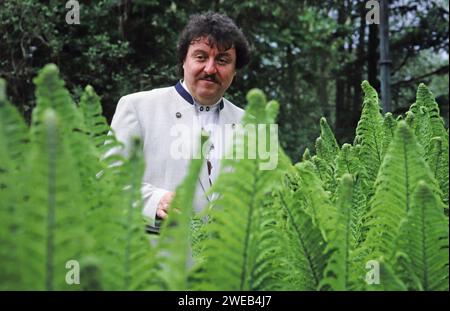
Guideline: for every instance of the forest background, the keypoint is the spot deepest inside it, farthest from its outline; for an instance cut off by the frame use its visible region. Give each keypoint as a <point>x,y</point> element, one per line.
<point>309,55</point>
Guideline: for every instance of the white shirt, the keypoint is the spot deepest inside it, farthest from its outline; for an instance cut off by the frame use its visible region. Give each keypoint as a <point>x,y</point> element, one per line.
<point>208,118</point>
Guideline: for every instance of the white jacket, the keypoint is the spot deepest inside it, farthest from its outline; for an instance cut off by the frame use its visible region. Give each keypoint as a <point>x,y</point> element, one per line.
<point>156,117</point>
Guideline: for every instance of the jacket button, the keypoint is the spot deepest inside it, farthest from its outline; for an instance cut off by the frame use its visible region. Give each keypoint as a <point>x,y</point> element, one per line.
<point>178,115</point>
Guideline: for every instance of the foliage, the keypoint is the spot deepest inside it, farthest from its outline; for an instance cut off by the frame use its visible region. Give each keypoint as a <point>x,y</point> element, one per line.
<point>312,59</point>
<point>313,225</point>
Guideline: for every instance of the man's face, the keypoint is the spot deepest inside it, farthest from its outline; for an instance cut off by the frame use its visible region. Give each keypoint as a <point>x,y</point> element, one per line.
<point>208,72</point>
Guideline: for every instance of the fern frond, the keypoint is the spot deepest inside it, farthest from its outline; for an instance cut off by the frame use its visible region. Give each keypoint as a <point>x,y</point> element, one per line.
<point>425,98</point>
<point>130,255</point>
<point>97,127</point>
<point>326,173</point>
<point>272,271</point>
<point>318,203</point>
<point>236,230</point>
<point>174,258</point>
<point>438,161</point>
<point>327,147</point>
<point>389,126</point>
<point>52,217</point>
<point>14,144</point>
<point>423,128</point>
<point>399,174</point>
<point>339,273</point>
<point>369,132</point>
<point>51,93</point>
<point>13,127</point>
<point>423,237</point>
<point>348,162</point>
<point>305,250</point>
<point>306,155</point>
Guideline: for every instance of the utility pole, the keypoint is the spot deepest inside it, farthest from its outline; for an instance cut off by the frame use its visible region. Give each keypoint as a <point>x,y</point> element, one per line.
<point>385,62</point>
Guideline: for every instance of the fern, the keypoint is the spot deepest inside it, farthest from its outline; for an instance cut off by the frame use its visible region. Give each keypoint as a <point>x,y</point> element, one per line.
<point>13,128</point>
<point>318,203</point>
<point>134,244</point>
<point>274,272</point>
<point>325,172</point>
<point>174,259</point>
<point>399,174</point>
<point>424,238</point>
<point>425,98</point>
<point>327,147</point>
<point>369,132</point>
<point>348,162</point>
<point>438,162</point>
<point>128,255</point>
<point>97,128</point>
<point>13,146</point>
<point>304,244</point>
<point>389,125</point>
<point>51,215</point>
<point>51,93</point>
<point>66,195</point>
<point>95,122</point>
<point>306,155</point>
<point>235,232</point>
<point>339,273</point>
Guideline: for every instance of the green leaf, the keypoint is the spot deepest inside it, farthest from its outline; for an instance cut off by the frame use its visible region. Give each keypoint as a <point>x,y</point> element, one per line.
<point>369,132</point>
<point>52,214</point>
<point>389,126</point>
<point>96,125</point>
<point>237,224</point>
<point>423,237</point>
<point>173,258</point>
<point>437,159</point>
<point>13,147</point>
<point>425,98</point>
<point>304,245</point>
<point>401,170</point>
<point>318,203</point>
<point>327,147</point>
<point>342,271</point>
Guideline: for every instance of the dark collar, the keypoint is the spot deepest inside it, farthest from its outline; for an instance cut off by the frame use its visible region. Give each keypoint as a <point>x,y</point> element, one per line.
<point>187,97</point>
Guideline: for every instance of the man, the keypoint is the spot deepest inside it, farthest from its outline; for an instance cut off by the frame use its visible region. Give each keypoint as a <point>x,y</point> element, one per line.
<point>210,49</point>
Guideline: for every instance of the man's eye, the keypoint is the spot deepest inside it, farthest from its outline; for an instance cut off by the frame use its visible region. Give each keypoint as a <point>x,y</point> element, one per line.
<point>200,57</point>
<point>223,61</point>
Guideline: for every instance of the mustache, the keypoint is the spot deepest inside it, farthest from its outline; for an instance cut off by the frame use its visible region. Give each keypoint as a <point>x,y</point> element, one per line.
<point>212,78</point>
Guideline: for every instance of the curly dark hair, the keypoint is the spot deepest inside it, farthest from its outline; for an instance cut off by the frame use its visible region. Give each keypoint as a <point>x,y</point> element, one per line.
<point>220,30</point>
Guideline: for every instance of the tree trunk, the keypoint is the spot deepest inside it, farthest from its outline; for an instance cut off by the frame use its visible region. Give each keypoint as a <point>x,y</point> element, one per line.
<point>340,127</point>
<point>359,65</point>
<point>385,62</point>
<point>373,56</point>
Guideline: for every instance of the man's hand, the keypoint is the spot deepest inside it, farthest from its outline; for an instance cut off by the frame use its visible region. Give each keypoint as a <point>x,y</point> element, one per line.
<point>163,205</point>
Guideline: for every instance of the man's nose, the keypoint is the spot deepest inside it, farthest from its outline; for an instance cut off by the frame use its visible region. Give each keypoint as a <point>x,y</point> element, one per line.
<point>210,67</point>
